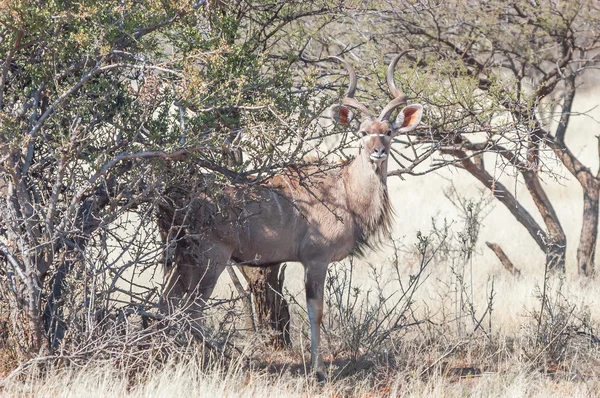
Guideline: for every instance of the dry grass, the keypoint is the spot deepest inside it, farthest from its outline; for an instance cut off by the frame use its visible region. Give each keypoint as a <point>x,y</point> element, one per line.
<point>190,379</point>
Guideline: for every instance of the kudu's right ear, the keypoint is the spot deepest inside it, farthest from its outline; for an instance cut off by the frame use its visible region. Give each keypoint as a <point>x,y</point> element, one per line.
<point>408,119</point>
<point>341,115</point>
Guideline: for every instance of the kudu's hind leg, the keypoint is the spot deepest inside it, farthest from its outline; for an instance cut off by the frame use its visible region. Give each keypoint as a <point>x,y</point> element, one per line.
<point>191,277</point>
<point>314,282</point>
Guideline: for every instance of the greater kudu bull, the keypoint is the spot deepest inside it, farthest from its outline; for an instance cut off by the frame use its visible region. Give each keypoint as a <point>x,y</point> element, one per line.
<point>303,214</point>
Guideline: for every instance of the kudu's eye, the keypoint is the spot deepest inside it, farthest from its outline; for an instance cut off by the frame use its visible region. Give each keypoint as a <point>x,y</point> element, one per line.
<point>363,133</point>
<point>388,133</point>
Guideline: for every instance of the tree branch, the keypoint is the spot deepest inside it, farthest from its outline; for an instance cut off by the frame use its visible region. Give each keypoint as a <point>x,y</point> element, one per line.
<point>12,260</point>
<point>503,258</point>
<point>565,116</point>
<point>503,195</point>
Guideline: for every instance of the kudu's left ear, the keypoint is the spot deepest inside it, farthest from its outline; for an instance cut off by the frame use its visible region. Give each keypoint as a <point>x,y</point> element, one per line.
<point>408,118</point>
<point>341,114</point>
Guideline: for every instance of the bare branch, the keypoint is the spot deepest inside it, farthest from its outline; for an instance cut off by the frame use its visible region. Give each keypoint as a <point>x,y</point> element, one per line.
<point>503,195</point>
<point>504,259</point>
<point>566,111</point>
<point>12,260</point>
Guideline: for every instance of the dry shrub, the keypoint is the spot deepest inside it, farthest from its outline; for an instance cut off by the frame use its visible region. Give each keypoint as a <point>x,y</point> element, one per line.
<point>560,333</point>
<point>9,356</point>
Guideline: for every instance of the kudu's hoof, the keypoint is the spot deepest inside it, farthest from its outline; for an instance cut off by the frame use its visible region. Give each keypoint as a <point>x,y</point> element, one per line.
<point>321,378</point>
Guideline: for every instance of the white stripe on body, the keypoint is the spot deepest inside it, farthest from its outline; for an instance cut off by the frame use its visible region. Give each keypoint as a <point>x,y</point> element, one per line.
<point>284,178</point>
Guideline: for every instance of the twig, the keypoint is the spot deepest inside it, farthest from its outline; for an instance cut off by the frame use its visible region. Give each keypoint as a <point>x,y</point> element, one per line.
<point>444,355</point>
<point>504,259</point>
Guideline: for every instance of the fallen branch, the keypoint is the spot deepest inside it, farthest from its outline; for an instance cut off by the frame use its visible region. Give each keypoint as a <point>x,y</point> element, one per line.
<point>504,259</point>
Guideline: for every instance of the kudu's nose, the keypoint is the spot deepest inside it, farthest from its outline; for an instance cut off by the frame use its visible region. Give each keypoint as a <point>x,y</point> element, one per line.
<point>378,154</point>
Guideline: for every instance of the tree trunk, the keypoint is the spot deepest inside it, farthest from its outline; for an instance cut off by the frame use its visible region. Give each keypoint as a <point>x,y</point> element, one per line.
<point>270,307</point>
<point>552,243</point>
<point>591,189</point>
<point>589,228</point>
<point>556,240</point>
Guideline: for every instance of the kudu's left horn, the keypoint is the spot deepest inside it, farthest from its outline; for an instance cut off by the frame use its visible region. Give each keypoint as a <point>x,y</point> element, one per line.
<point>349,99</point>
<point>399,96</point>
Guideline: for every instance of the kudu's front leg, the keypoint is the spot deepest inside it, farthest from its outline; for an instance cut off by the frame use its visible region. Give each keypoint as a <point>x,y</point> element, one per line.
<point>315,285</point>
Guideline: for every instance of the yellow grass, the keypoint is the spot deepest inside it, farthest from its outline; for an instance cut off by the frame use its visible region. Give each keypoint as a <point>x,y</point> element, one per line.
<point>187,380</point>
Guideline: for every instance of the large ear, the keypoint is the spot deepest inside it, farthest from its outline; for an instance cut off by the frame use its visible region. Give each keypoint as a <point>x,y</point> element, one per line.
<point>408,118</point>
<point>341,114</point>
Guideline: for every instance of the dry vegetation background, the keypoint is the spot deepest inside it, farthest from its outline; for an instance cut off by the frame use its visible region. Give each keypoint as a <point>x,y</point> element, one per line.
<point>104,105</point>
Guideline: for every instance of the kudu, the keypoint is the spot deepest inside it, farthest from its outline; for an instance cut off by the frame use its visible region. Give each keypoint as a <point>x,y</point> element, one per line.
<point>304,214</point>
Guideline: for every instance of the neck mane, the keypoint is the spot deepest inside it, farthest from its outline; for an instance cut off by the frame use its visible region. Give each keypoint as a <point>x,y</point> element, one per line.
<point>367,199</point>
